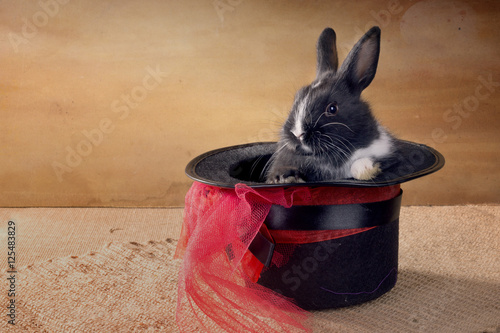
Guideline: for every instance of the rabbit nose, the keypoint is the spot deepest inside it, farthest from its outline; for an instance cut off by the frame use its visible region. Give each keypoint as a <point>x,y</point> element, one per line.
<point>299,136</point>
<point>298,132</point>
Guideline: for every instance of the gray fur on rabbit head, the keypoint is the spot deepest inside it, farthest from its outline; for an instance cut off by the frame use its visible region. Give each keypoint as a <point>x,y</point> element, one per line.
<point>330,132</point>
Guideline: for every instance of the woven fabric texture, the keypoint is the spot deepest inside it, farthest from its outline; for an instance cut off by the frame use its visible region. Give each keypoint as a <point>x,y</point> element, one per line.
<point>449,274</point>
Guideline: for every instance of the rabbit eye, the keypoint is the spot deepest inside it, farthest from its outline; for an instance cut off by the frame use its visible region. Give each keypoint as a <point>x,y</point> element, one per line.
<point>332,109</point>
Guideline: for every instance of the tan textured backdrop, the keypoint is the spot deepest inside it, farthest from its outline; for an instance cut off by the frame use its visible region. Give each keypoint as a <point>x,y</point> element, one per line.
<point>103,103</point>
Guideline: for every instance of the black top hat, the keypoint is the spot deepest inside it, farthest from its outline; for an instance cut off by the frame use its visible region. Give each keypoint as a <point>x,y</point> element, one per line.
<point>226,167</point>
<point>366,263</point>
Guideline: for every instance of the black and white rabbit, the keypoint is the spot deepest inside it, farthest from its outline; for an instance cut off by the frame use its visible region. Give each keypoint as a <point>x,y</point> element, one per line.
<point>330,132</point>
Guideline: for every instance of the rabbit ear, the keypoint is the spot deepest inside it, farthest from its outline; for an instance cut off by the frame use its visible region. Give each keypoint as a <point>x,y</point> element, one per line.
<point>327,52</point>
<point>361,63</point>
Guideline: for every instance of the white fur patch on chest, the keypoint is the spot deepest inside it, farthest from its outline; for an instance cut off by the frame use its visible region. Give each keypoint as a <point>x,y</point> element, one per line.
<point>381,147</point>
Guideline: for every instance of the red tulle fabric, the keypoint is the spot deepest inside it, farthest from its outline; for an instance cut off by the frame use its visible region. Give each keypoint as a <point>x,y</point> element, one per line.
<point>217,281</point>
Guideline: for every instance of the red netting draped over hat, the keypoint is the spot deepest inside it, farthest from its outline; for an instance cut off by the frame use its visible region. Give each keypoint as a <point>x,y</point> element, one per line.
<point>217,280</point>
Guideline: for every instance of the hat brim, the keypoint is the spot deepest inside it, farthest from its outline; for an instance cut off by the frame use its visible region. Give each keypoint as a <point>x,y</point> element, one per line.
<point>226,167</point>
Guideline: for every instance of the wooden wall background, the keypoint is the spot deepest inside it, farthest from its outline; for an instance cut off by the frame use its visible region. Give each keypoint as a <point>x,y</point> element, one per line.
<point>103,103</point>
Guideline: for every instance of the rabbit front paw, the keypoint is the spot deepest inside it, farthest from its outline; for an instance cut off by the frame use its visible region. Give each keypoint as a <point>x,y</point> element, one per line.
<point>365,169</point>
<point>285,176</point>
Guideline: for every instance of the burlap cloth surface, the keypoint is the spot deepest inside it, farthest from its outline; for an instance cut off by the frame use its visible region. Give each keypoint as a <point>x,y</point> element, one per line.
<point>449,281</point>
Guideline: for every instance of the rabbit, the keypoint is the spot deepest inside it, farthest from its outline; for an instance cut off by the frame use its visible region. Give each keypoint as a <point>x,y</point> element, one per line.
<point>330,132</point>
